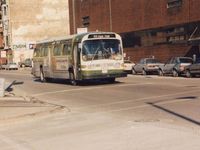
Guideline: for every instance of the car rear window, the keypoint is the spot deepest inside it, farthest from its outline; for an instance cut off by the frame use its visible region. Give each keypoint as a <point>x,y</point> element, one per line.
<point>186,60</point>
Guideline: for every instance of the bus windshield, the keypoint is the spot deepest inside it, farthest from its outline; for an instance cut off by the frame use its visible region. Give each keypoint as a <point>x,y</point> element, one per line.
<point>101,49</point>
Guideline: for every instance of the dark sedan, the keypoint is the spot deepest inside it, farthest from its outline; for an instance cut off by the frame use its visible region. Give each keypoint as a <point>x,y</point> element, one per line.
<point>193,69</point>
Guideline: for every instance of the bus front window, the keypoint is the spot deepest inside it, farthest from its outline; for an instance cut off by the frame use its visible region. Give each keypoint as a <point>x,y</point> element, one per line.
<point>101,49</point>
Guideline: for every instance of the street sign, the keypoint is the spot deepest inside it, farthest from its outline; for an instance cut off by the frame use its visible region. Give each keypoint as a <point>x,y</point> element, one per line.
<point>82,30</point>
<point>2,87</point>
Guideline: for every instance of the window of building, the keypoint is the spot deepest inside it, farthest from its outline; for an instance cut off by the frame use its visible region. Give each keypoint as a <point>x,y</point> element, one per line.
<point>86,21</point>
<point>5,11</point>
<point>174,3</point>
<point>131,39</point>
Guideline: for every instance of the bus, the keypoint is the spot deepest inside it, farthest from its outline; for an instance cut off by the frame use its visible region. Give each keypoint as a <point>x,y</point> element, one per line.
<point>94,55</point>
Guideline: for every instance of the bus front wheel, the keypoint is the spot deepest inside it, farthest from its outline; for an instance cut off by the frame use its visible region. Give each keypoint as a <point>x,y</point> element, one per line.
<point>42,79</point>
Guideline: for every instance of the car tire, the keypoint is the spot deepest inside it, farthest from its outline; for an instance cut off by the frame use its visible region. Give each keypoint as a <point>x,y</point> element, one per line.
<point>188,74</point>
<point>133,71</point>
<point>175,73</point>
<point>144,72</point>
<point>160,72</point>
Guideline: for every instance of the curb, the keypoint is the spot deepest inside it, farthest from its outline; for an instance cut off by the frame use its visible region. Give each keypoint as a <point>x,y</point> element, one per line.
<point>54,109</point>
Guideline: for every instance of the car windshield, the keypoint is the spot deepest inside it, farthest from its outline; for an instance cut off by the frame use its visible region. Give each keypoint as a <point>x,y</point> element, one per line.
<point>198,61</point>
<point>186,60</point>
<point>101,49</point>
<point>128,61</point>
<point>149,61</point>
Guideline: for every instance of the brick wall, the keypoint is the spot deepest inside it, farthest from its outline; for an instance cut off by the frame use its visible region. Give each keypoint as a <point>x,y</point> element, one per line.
<point>136,15</point>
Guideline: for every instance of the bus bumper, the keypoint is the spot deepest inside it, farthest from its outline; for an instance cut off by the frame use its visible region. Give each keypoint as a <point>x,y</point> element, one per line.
<point>98,75</point>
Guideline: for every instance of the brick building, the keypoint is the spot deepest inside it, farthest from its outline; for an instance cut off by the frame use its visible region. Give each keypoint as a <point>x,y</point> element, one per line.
<point>160,28</point>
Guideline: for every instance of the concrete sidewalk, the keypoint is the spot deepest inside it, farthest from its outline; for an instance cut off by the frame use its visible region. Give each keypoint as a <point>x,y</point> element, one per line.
<point>16,107</point>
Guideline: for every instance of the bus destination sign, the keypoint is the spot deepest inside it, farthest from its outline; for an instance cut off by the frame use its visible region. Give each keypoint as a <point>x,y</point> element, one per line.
<point>101,36</point>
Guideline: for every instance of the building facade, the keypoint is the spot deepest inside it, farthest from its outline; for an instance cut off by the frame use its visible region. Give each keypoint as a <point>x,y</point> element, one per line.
<point>159,28</point>
<point>5,52</point>
<point>28,21</point>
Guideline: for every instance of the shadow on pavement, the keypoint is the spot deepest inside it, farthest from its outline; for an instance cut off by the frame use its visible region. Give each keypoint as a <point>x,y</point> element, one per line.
<point>80,83</point>
<point>175,114</point>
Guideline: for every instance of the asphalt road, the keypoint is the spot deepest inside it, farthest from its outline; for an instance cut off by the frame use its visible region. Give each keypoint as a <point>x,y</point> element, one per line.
<point>137,112</point>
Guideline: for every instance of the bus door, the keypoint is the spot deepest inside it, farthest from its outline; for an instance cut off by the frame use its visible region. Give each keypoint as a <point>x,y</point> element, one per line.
<point>47,61</point>
<point>76,59</point>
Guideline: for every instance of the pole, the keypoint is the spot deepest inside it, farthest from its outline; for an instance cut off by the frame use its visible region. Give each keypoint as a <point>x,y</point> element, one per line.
<point>74,15</point>
<point>110,13</point>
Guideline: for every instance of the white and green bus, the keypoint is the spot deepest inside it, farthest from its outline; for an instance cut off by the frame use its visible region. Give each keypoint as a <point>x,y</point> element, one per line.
<point>96,55</point>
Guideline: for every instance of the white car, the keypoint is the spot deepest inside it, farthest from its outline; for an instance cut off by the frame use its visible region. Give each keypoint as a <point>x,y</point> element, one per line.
<point>128,65</point>
<point>10,66</point>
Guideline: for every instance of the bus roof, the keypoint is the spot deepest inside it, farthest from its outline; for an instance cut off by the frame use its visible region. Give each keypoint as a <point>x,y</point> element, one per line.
<point>76,37</point>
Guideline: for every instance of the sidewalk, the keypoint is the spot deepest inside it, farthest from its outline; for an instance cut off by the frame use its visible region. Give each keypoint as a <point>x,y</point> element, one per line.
<point>16,107</point>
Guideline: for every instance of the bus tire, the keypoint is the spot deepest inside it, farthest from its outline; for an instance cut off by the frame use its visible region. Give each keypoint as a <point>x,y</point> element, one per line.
<point>42,78</point>
<point>72,79</point>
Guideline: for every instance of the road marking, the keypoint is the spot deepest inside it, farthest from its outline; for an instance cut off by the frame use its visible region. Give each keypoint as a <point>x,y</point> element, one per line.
<point>139,99</point>
<point>146,105</point>
<point>89,88</point>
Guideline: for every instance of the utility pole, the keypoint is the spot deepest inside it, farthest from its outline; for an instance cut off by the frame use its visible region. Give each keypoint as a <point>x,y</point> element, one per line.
<point>74,16</point>
<point>110,14</point>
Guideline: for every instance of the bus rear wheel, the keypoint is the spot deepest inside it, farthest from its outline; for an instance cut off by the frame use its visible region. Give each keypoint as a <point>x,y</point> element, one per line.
<point>72,79</point>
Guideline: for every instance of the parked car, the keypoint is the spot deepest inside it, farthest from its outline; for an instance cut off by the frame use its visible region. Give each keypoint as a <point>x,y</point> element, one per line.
<point>146,66</point>
<point>10,66</point>
<point>26,63</point>
<point>128,65</point>
<point>193,69</point>
<point>175,66</point>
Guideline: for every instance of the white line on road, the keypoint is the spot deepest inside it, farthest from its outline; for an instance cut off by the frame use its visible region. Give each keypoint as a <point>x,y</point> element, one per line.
<point>140,99</point>
<point>89,88</point>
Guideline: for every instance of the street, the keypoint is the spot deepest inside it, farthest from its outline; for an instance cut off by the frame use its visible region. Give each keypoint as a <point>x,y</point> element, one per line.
<point>137,112</point>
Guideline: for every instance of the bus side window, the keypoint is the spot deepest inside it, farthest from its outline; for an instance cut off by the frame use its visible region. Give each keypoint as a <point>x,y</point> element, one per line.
<point>45,51</point>
<point>38,52</point>
<point>41,52</point>
<point>67,49</point>
<point>57,50</point>
<point>35,54</point>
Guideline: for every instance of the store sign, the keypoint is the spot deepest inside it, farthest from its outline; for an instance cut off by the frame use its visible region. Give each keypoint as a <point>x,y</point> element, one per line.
<point>3,54</point>
<point>82,30</point>
<point>19,46</point>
